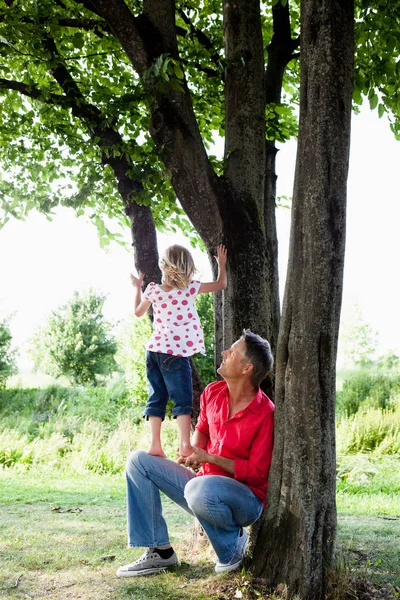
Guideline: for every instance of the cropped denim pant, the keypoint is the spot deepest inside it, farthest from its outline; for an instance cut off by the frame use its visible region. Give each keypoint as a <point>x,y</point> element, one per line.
<point>221,504</point>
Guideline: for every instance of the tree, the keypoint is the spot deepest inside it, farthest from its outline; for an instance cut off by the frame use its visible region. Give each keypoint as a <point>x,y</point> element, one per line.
<point>8,354</point>
<point>358,341</point>
<point>174,75</point>
<point>76,341</point>
<point>299,525</point>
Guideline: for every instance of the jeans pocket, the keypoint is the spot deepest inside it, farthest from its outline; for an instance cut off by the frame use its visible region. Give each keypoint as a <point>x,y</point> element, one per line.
<point>172,363</point>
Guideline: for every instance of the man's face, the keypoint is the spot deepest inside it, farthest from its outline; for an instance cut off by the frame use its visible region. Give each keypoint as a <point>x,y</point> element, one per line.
<point>233,361</point>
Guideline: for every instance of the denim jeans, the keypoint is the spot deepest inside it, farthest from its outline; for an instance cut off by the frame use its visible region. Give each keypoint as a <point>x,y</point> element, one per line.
<point>169,377</point>
<point>221,504</point>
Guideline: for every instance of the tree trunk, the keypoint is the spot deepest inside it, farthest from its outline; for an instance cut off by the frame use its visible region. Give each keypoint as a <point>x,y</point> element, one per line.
<point>296,538</point>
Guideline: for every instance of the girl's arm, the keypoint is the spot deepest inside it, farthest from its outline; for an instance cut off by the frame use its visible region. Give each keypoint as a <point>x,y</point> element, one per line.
<point>220,283</point>
<point>141,306</point>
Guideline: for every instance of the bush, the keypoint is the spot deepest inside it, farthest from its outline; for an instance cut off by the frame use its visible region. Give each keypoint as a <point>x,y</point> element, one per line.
<point>33,411</point>
<point>365,389</point>
<point>76,341</point>
<point>8,355</point>
<point>205,362</point>
<point>131,356</point>
<point>371,430</point>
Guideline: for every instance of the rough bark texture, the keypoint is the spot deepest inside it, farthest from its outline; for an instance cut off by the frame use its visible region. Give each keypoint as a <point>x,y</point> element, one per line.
<point>296,538</point>
<point>229,209</point>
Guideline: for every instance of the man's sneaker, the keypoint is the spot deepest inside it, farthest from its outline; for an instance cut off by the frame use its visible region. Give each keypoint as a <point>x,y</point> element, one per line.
<point>150,562</point>
<point>237,557</point>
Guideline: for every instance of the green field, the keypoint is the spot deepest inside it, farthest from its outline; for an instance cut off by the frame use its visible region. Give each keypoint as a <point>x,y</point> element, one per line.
<point>62,505</point>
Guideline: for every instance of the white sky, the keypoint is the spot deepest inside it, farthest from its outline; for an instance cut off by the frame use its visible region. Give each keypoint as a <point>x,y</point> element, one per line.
<point>43,262</point>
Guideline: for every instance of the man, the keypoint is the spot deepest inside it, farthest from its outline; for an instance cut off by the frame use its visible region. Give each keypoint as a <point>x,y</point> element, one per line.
<point>233,442</point>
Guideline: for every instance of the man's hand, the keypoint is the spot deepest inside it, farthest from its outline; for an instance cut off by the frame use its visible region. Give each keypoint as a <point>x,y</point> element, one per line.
<point>195,459</point>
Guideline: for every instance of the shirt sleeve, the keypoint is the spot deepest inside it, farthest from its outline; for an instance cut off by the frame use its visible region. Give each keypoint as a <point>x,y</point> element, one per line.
<point>194,287</point>
<point>251,470</point>
<point>148,293</point>
<point>202,421</point>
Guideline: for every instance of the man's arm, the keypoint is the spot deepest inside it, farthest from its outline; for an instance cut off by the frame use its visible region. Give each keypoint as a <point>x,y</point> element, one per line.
<point>200,456</point>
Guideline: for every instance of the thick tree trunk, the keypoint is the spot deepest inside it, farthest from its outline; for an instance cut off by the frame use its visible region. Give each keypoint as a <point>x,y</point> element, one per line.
<point>296,538</point>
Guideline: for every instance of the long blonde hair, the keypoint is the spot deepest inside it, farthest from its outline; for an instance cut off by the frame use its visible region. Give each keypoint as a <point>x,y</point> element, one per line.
<point>177,267</point>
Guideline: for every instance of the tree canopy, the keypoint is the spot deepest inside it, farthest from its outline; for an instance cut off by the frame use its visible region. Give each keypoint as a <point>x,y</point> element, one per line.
<point>64,74</point>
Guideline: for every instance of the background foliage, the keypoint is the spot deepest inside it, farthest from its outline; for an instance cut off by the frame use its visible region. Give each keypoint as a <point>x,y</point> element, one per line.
<point>8,354</point>
<point>76,341</point>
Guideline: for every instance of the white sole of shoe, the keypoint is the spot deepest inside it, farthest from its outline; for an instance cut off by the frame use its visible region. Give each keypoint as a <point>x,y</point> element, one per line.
<point>228,568</point>
<point>140,573</point>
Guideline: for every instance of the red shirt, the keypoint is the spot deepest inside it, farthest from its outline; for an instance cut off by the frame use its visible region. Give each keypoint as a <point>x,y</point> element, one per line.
<point>247,437</point>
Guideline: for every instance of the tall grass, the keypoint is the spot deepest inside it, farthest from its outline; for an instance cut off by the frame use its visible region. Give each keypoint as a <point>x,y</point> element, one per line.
<point>83,429</point>
<point>370,430</point>
<point>94,429</point>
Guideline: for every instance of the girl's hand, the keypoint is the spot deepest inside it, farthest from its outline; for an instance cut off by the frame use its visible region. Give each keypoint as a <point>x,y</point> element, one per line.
<point>137,281</point>
<point>221,255</point>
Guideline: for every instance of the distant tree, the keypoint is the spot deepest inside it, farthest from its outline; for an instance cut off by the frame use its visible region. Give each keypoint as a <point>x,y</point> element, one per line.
<point>358,340</point>
<point>389,361</point>
<point>8,354</point>
<point>76,341</point>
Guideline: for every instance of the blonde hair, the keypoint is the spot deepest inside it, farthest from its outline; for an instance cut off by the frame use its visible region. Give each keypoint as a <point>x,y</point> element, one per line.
<point>177,267</point>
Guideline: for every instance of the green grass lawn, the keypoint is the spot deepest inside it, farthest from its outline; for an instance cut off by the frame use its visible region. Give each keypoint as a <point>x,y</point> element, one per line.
<point>73,552</point>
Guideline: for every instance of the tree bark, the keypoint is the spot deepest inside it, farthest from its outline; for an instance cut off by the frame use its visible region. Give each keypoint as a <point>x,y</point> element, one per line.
<point>296,538</point>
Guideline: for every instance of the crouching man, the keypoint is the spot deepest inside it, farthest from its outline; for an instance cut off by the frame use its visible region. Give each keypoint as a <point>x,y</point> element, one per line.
<point>233,443</point>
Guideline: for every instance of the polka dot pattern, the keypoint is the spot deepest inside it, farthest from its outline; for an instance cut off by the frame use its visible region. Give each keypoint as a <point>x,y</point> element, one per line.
<point>177,329</point>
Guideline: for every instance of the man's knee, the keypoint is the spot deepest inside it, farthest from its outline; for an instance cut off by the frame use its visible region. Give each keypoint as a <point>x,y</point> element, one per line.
<point>136,459</point>
<point>195,495</point>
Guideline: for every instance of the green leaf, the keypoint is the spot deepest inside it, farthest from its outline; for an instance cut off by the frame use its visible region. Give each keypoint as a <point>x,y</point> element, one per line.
<point>178,72</point>
<point>373,101</point>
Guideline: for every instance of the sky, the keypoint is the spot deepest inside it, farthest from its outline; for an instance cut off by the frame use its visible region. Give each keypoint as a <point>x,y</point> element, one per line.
<point>42,262</point>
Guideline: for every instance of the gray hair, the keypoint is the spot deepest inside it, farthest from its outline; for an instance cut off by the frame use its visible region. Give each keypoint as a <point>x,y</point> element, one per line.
<point>258,353</point>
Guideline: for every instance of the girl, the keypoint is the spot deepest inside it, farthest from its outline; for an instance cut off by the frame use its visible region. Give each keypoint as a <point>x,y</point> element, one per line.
<point>177,335</point>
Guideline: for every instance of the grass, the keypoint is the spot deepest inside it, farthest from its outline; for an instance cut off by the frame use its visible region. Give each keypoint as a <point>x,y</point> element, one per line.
<point>62,503</point>
<point>73,552</point>
<point>371,547</point>
<point>59,554</point>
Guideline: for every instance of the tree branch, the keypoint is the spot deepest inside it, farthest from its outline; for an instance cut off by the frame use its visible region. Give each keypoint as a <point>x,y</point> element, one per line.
<point>173,125</point>
<point>95,25</point>
<point>34,92</point>
<point>280,52</point>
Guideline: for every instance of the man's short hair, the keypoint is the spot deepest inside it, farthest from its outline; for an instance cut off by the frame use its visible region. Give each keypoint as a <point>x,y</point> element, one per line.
<point>258,353</point>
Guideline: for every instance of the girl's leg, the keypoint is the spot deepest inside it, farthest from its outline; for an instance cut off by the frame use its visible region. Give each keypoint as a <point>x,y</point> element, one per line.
<point>155,431</point>
<point>177,375</point>
<point>184,424</point>
<point>157,402</point>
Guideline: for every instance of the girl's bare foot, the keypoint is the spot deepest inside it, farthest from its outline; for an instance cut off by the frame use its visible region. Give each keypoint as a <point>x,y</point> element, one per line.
<point>185,449</point>
<point>156,450</point>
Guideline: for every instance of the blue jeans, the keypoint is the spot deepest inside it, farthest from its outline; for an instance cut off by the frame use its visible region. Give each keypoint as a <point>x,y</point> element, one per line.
<point>169,377</point>
<point>221,504</point>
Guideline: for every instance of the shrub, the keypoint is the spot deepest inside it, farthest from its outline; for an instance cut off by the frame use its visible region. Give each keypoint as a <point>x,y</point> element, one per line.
<point>368,431</point>
<point>8,354</point>
<point>76,341</point>
<point>131,356</point>
<point>368,389</point>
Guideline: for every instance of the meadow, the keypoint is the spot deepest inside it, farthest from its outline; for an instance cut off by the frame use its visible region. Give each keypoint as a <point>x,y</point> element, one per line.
<point>62,498</point>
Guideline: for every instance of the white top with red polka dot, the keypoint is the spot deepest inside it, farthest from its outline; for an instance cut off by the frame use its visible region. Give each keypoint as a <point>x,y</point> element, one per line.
<point>177,328</point>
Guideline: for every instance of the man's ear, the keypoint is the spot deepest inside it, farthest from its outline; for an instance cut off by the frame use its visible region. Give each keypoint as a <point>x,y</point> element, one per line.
<point>248,368</point>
